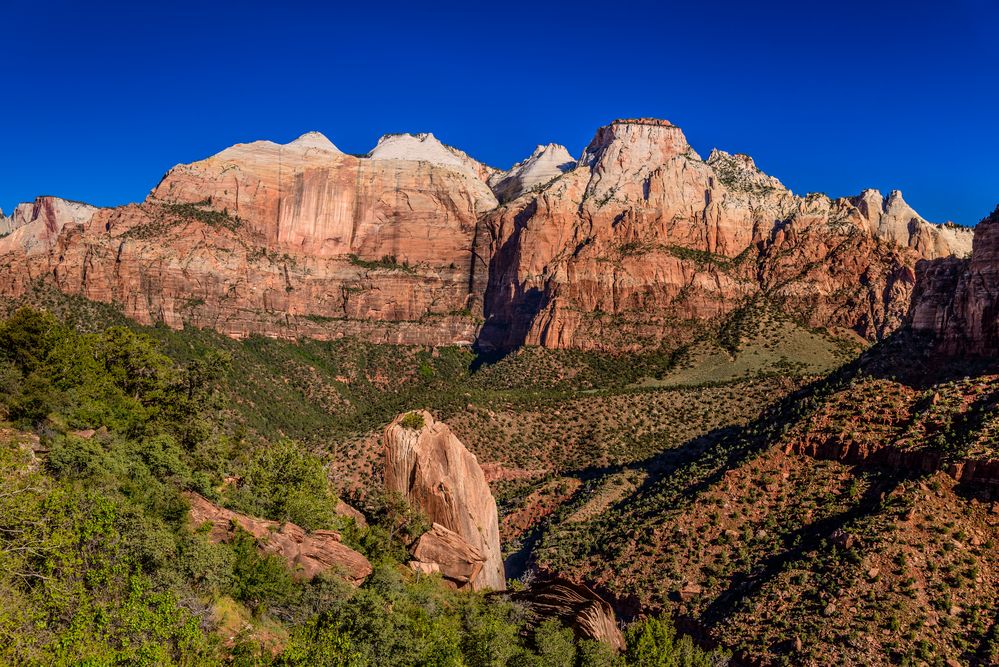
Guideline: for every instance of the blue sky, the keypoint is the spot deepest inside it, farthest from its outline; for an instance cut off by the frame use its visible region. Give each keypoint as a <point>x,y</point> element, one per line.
<point>101,98</point>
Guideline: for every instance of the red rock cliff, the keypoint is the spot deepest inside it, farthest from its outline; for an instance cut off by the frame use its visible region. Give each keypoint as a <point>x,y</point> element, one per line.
<point>633,243</point>
<point>644,235</point>
<point>292,240</point>
<point>957,300</point>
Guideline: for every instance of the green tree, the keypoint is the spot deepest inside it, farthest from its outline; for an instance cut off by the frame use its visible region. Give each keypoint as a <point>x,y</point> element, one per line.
<point>556,646</point>
<point>284,482</point>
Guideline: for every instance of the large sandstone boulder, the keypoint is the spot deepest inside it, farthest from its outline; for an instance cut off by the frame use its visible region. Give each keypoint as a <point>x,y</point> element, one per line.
<point>445,551</point>
<point>307,553</point>
<point>426,463</point>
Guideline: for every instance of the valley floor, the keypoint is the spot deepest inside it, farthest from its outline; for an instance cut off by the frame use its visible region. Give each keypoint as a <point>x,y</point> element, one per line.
<point>774,492</point>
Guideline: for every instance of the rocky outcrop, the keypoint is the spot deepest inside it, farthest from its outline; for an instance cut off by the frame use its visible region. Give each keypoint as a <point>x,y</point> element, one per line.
<point>444,551</point>
<point>308,554</point>
<point>957,300</point>
<point>348,512</point>
<point>577,606</point>
<point>6,224</point>
<point>427,464</point>
<point>982,474</point>
<point>545,164</point>
<point>894,219</point>
<point>38,224</point>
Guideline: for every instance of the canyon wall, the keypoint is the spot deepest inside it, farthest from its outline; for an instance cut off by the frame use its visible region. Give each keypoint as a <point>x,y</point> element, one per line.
<point>957,299</point>
<point>637,242</point>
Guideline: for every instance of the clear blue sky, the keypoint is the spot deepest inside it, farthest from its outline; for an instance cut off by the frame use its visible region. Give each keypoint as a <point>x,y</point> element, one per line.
<point>101,98</point>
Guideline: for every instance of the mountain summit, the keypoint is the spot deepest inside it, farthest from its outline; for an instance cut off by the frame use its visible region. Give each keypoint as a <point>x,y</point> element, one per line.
<point>631,245</point>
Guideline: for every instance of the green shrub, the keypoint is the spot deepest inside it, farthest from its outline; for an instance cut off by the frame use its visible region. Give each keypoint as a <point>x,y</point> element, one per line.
<point>412,420</point>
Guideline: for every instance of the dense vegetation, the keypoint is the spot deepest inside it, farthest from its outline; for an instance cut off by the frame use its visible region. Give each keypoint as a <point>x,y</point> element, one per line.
<point>99,565</point>
<point>685,481</point>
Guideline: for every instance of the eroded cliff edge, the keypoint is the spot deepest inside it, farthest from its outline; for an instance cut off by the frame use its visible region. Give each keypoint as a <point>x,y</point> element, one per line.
<point>635,243</point>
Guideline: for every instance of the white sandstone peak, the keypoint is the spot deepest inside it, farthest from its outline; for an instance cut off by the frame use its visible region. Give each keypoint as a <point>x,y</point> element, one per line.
<point>425,147</point>
<point>315,140</point>
<point>547,162</point>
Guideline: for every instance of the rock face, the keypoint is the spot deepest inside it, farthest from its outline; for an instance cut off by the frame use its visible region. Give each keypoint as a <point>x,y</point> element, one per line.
<point>39,223</point>
<point>545,164</point>
<point>957,300</point>
<point>894,219</point>
<point>576,605</point>
<point>445,551</point>
<point>428,465</point>
<point>637,242</point>
<point>644,236</point>
<point>293,240</point>
<point>307,553</point>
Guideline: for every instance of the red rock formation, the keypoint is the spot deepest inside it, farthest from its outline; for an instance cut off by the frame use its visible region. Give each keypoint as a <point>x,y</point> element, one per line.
<point>295,240</point>
<point>445,551</point>
<point>427,464</point>
<point>576,605</point>
<point>545,164</point>
<point>957,300</point>
<point>308,553</point>
<point>643,235</point>
<point>637,242</point>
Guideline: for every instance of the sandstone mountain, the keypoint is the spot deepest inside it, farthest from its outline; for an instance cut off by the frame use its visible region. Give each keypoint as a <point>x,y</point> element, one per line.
<point>644,235</point>
<point>637,242</point>
<point>286,240</point>
<point>427,464</point>
<point>425,147</point>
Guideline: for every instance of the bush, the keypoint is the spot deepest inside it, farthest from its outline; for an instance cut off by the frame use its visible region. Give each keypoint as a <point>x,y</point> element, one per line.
<point>258,580</point>
<point>413,421</point>
<point>284,482</point>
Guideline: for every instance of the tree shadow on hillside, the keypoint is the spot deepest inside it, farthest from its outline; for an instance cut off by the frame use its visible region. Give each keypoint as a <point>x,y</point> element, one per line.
<point>810,537</point>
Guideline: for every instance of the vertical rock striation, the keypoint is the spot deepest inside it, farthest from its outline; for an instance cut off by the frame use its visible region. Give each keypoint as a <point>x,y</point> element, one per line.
<point>644,239</point>
<point>639,241</point>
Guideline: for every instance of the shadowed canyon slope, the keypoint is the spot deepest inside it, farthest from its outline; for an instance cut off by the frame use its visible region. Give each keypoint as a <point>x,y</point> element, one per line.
<point>632,244</point>
<point>957,299</point>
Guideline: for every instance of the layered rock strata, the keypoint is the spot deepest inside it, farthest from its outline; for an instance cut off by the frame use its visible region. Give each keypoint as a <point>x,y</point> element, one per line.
<point>638,242</point>
<point>576,605</point>
<point>957,300</point>
<point>643,235</point>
